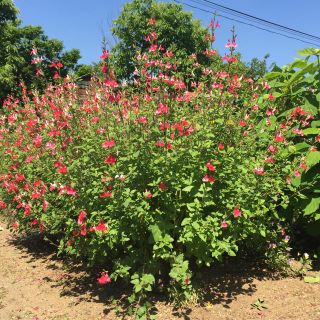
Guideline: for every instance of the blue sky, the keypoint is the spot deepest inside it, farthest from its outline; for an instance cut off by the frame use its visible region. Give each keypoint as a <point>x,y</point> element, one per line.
<point>80,24</point>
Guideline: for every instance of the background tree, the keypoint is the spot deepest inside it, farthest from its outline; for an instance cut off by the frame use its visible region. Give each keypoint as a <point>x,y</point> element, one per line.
<point>257,68</point>
<point>16,43</point>
<point>174,26</point>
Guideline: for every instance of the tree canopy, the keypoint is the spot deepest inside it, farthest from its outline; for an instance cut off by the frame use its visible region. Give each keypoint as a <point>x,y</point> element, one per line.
<point>174,26</point>
<point>16,43</point>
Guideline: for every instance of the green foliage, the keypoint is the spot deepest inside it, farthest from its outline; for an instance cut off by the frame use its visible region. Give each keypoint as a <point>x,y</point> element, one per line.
<point>15,59</point>
<point>176,29</point>
<point>259,304</point>
<point>257,68</point>
<point>296,87</point>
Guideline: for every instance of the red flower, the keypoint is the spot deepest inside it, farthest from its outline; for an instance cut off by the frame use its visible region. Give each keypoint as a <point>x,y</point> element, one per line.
<point>101,227</point>
<point>153,48</point>
<point>143,120</point>
<point>160,144</point>
<point>279,137</point>
<point>82,217</point>
<point>162,186</point>
<point>62,170</point>
<point>34,222</point>
<point>3,205</point>
<point>224,224</point>
<point>35,195</point>
<point>269,160</point>
<point>259,170</point>
<point>70,191</point>
<point>104,278</point>
<point>44,205</point>
<point>42,227</point>
<point>105,54</point>
<point>303,165</point>
<point>152,21</point>
<point>58,163</point>
<point>242,123</point>
<point>15,225</point>
<point>111,159</point>
<point>106,194</point>
<point>27,210</point>
<point>83,230</point>
<point>208,178</point>
<point>162,109</point>
<point>272,149</point>
<point>104,68</point>
<point>20,177</point>
<point>37,141</point>
<point>148,194</point>
<point>236,212</point>
<point>108,144</point>
<point>210,166</point>
<point>221,146</point>
<point>271,97</point>
<point>297,173</point>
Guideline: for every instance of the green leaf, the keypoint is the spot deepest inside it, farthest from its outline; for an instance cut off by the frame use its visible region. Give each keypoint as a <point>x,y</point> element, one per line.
<point>310,131</point>
<point>219,121</point>
<point>313,158</point>
<point>299,74</point>
<point>315,124</point>
<point>313,206</point>
<point>137,287</point>
<point>195,225</point>
<point>308,52</point>
<point>148,278</point>
<point>156,232</point>
<point>311,279</point>
<point>296,181</point>
<point>310,107</point>
<point>272,75</point>
<point>299,63</point>
<point>185,221</point>
<point>302,146</point>
<point>127,202</point>
<point>187,189</point>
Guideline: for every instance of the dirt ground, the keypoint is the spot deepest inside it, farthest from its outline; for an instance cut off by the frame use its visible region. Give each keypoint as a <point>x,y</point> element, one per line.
<point>37,285</point>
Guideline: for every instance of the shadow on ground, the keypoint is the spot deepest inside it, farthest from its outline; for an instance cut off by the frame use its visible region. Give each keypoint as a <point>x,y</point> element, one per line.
<point>220,284</point>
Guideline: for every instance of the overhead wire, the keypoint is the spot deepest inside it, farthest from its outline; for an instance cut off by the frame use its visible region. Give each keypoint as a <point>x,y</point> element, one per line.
<point>256,19</point>
<point>248,24</point>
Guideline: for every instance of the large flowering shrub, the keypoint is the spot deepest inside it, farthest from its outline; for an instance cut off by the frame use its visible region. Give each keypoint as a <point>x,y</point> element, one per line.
<point>151,174</point>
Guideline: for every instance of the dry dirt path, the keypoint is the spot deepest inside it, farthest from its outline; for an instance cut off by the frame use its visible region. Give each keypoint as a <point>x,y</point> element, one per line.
<point>35,285</point>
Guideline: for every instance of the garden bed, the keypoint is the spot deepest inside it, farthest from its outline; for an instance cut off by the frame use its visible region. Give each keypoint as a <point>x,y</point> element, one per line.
<point>37,285</point>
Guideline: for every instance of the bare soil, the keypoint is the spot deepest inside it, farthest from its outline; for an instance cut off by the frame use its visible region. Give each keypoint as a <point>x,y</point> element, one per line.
<point>35,284</point>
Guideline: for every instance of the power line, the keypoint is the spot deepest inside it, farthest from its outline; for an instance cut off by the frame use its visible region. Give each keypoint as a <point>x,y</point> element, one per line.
<point>265,23</point>
<point>259,20</point>
<point>245,23</point>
